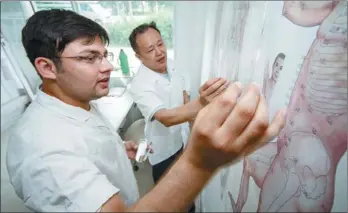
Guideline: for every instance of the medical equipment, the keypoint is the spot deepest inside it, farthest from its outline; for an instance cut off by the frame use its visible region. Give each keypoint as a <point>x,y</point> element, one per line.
<point>144,149</point>
<point>124,62</point>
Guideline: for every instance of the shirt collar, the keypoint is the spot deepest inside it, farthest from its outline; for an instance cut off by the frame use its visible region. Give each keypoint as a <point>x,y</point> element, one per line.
<point>60,107</point>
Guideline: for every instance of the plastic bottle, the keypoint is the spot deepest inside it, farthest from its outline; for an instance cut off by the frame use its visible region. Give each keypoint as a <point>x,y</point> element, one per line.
<point>124,62</point>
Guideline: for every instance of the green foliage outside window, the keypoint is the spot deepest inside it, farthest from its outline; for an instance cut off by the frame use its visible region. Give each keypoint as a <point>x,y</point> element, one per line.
<point>119,32</point>
<point>133,14</point>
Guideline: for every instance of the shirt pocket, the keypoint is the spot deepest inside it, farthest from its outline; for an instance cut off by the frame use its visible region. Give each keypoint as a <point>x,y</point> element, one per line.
<point>102,145</point>
<point>158,129</point>
<point>163,89</point>
<point>177,96</point>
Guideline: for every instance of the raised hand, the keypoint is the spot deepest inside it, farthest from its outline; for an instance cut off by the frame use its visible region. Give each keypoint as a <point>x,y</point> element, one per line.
<point>211,89</point>
<point>231,127</point>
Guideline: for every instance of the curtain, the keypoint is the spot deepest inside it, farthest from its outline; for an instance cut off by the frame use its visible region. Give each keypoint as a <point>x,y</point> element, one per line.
<point>188,36</point>
<point>14,95</point>
<point>210,39</point>
<point>18,77</point>
<point>13,18</point>
<point>11,86</point>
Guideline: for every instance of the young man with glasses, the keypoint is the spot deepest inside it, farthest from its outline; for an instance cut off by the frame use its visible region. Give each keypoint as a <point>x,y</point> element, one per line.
<point>63,156</point>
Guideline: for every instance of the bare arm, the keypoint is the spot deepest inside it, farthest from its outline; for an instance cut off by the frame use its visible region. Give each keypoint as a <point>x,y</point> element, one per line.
<point>178,115</point>
<point>298,14</point>
<point>170,194</point>
<point>188,111</point>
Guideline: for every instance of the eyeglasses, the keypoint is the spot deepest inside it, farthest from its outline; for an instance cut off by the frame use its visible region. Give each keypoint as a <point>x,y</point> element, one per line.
<point>94,59</point>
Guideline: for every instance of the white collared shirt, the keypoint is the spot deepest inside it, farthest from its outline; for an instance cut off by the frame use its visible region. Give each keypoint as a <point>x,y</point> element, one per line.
<point>152,91</point>
<point>63,158</point>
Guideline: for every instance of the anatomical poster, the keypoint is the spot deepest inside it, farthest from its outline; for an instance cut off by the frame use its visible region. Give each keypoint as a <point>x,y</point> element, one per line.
<point>303,68</point>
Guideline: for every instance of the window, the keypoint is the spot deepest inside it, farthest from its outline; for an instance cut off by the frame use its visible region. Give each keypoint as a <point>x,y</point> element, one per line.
<point>85,7</point>
<point>119,18</point>
<point>45,5</point>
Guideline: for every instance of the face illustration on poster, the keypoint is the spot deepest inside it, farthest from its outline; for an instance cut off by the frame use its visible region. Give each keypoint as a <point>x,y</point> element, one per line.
<point>305,168</point>
<point>269,82</point>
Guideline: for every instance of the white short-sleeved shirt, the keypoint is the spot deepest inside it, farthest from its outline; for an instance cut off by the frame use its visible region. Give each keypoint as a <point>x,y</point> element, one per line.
<point>63,158</point>
<point>152,91</point>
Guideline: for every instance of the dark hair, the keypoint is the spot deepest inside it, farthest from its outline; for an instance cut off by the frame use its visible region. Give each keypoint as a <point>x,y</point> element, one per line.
<point>47,33</point>
<point>280,55</point>
<point>140,30</point>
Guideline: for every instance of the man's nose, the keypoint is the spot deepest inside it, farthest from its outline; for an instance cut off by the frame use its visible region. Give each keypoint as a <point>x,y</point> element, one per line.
<point>106,66</point>
<point>157,51</point>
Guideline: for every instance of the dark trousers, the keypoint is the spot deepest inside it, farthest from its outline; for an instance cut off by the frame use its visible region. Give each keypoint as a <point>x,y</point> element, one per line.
<point>159,169</point>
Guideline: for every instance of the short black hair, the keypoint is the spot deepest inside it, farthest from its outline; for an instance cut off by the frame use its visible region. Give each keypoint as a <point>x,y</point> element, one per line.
<point>47,33</point>
<point>140,30</point>
<point>280,55</point>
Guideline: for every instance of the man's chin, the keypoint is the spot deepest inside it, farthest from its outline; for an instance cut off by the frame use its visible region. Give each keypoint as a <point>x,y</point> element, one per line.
<point>102,93</point>
<point>162,67</point>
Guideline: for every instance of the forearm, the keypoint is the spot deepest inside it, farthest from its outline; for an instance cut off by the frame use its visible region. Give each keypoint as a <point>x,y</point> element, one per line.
<point>181,114</point>
<point>176,190</point>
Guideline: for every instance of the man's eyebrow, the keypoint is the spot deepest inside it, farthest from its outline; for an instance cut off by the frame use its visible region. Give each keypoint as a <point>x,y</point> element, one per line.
<point>150,46</point>
<point>94,52</point>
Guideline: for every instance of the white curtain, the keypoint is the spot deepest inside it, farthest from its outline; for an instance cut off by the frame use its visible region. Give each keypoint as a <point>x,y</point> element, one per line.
<point>11,86</point>
<point>18,77</point>
<point>13,94</point>
<point>13,18</point>
<point>188,33</point>
<point>211,37</point>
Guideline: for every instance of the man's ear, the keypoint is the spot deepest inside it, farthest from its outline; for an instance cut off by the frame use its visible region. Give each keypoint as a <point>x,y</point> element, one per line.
<point>46,68</point>
<point>137,55</point>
